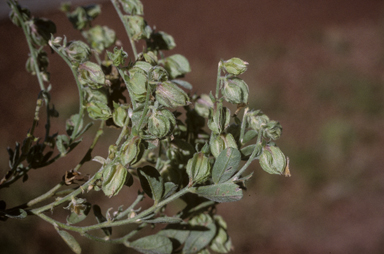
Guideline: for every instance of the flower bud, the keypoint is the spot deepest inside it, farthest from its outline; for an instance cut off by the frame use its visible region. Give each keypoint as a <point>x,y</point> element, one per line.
<point>272,160</point>
<point>98,110</point>
<point>235,91</point>
<point>219,118</point>
<point>77,52</point>
<point>203,105</point>
<point>220,142</point>
<point>169,95</point>
<point>118,56</point>
<point>235,66</point>
<point>198,168</point>
<point>91,75</point>
<point>256,120</point>
<point>273,130</point>
<point>161,123</point>
<point>114,178</point>
<point>132,151</point>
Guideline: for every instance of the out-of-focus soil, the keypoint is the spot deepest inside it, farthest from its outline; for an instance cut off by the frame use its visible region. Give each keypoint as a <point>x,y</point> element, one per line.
<point>316,66</point>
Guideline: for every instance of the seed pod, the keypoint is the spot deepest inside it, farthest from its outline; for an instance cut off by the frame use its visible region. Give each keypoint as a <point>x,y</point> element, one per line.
<point>273,130</point>
<point>169,95</point>
<point>161,123</point>
<point>256,120</point>
<point>98,110</point>
<point>220,142</point>
<point>272,160</point>
<point>132,151</point>
<point>203,105</point>
<point>235,91</point>
<point>119,114</point>
<point>114,178</point>
<point>91,75</point>
<point>198,168</point>
<point>100,37</point>
<point>219,119</point>
<point>77,52</point>
<point>118,56</point>
<point>235,66</point>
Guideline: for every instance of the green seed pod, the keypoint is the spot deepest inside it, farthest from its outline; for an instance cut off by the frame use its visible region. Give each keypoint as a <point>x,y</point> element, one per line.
<point>137,84</point>
<point>198,168</point>
<point>77,52</point>
<point>203,105</point>
<point>235,66</point>
<point>235,91</point>
<point>150,58</point>
<point>91,75</point>
<point>219,119</point>
<point>100,37</point>
<point>273,130</point>
<point>161,123</point>
<point>169,95</point>
<point>138,28</point>
<point>272,160</point>
<point>118,56</point>
<point>114,178</point>
<point>220,142</point>
<point>98,110</point>
<point>119,115</point>
<point>132,150</point>
<point>256,120</point>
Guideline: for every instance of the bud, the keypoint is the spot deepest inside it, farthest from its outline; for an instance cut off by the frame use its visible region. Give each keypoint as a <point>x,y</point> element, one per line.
<point>198,168</point>
<point>132,150</point>
<point>114,178</point>
<point>169,95</point>
<point>97,110</point>
<point>100,37</point>
<point>161,123</point>
<point>235,66</point>
<point>137,84</point>
<point>77,52</point>
<point>118,56</point>
<point>220,142</point>
<point>272,160</point>
<point>235,91</point>
<point>273,130</point>
<point>256,120</point>
<point>203,105</point>
<point>219,119</point>
<point>119,114</point>
<point>91,75</point>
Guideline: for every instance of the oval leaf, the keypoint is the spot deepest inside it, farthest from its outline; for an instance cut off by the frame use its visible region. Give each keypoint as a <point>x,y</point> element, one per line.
<point>152,182</point>
<point>153,244</point>
<point>226,165</point>
<point>223,192</point>
<point>70,241</point>
<point>202,232</point>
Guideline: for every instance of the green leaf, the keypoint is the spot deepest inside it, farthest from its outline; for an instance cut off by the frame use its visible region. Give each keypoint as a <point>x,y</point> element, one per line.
<point>153,244</point>
<point>152,182</point>
<point>169,189</point>
<point>182,83</point>
<point>249,135</point>
<point>176,232</point>
<point>61,143</point>
<point>226,165</point>
<point>100,219</point>
<point>70,241</point>
<point>222,192</point>
<point>19,214</point>
<point>201,234</point>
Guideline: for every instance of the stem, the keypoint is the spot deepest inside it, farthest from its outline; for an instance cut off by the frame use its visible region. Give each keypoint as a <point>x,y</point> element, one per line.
<point>124,21</point>
<point>130,208</point>
<point>253,155</point>
<point>46,195</point>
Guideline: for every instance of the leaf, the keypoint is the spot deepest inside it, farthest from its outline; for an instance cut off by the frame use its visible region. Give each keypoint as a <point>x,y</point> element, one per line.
<point>177,233</point>
<point>169,189</point>
<point>61,144</point>
<point>182,83</point>
<point>223,192</point>
<point>100,219</point>
<point>201,234</point>
<point>152,182</point>
<point>226,165</point>
<point>70,241</point>
<point>249,135</point>
<point>176,65</point>
<point>153,244</point>
<point>18,214</point>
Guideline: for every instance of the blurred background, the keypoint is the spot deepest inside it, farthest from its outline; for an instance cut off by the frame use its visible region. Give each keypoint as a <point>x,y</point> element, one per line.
<point>315,66</point>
